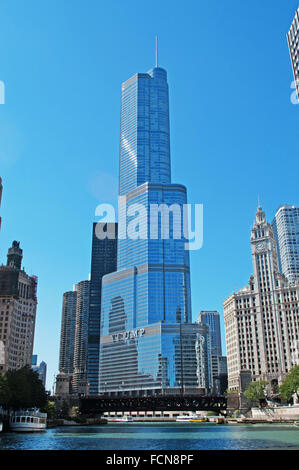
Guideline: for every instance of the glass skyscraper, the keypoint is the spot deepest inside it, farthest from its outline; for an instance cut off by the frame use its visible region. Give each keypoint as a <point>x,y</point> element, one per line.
<point>212,319</point>
<point>293,43</point>
<point>146,309</point>
<point>286,231</point>
<point>103,261</point>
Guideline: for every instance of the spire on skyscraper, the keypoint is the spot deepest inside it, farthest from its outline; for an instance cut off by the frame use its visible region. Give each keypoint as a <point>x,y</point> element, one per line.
<point>146,303</point>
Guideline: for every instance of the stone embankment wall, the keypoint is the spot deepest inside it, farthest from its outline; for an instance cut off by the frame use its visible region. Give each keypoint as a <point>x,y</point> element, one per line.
<point>281,412</point>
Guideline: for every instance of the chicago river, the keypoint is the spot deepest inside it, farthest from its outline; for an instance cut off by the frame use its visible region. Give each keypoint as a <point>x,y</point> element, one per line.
<point>157,436</point>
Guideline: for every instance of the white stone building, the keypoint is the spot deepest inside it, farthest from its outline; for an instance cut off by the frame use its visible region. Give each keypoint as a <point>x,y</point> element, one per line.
<point>262,319</point>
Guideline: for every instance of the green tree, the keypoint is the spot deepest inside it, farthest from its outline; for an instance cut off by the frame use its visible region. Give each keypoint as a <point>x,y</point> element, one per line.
<point>291,384</point>
<point>39,396</point>
<point>229,391</point>
<point>256,391</point>
<point>26,389</point>
<point>4,391</point>
<point>50,409</point>
<point>64,411</point>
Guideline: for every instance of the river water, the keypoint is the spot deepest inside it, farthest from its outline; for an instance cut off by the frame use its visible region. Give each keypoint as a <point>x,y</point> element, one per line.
<point>157,436</point>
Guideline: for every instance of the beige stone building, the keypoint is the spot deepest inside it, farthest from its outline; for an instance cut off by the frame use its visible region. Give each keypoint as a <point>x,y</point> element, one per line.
<point>18,305</point>
<point>262,319</point>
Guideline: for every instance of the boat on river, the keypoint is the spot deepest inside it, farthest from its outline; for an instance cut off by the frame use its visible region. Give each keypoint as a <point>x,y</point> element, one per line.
<point>124,419</point>
<point>198,419</point>
<point>28,421</point>
<point>191,419</point>
<point>183,419</point>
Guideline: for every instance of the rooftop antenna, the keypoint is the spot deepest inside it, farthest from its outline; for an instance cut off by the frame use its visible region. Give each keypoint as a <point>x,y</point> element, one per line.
<point>156,51</point>
<point>259,201</point>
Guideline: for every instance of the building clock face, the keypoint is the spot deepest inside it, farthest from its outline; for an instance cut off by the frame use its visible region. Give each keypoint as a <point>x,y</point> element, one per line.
<point>260,247</point>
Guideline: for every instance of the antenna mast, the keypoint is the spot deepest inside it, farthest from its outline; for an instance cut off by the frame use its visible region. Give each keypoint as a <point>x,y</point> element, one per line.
<point>156,51</point>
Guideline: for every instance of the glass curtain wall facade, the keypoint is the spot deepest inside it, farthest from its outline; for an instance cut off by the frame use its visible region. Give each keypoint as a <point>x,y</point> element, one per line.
<point>146,302</point>
<point>293,43</point>
<point>103,261</point>
<point>286,231</point>
<point>212,319</point>
<point>159,358</point>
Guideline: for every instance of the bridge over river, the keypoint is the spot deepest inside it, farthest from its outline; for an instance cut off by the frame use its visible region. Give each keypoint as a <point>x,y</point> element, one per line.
<point>98,405</point>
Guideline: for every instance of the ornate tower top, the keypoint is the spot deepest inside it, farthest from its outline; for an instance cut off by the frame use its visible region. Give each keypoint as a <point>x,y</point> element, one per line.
<point>15,255</point>
<point>260,216</point>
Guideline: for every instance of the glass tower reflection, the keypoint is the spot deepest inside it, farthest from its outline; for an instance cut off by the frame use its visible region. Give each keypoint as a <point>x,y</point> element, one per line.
<point>146,330</point>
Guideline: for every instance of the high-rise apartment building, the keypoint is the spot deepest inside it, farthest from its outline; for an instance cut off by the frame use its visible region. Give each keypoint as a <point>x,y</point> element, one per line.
<point>81,311</point>
<point>286,231</point>
<point>79,381</point>
<point>261,319</point>
<point>293,42</point>
<point>103,261</point>
<point>67,333</point>
<point>146,306</point>
<point>74,334</point>
<point>18,304</point>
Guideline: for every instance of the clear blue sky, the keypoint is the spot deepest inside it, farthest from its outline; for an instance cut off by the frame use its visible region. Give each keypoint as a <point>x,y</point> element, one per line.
<point>234,131</point>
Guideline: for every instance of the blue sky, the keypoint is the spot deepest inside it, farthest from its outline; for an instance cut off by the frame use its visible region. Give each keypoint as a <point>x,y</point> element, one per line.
<point>234,131</point>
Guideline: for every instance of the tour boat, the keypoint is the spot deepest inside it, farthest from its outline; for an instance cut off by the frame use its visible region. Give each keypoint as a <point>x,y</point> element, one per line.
<point>124,419</point>
<point>198,419</point>
<point>28,421</point>
<point>183,419</point>
<point>190,419</point>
